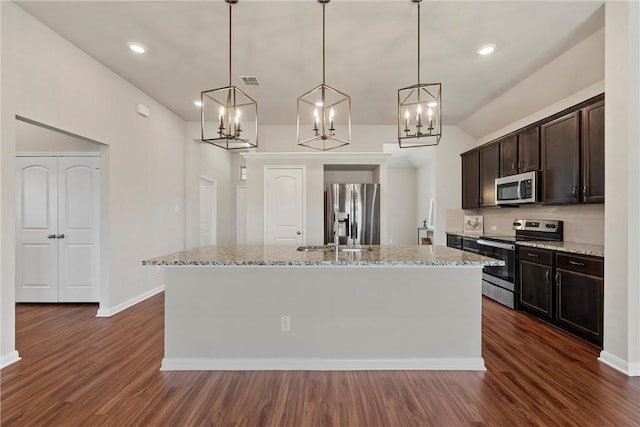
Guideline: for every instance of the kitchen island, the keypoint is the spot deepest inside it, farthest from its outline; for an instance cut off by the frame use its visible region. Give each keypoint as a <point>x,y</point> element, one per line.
<point>276,308</point>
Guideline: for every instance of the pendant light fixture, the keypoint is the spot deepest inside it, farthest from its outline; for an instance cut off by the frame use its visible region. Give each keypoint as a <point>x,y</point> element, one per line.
<point>324,113</point>
<point>229,117</point>
<point>419,110</point>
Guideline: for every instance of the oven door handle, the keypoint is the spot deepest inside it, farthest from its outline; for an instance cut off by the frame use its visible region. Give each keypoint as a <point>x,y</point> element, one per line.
<point>500,245</point>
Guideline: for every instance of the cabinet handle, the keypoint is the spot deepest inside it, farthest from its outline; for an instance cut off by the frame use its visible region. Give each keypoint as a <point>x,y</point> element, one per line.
<point>581,264</point>
<point>547,276</point>
<point>532,255</point>
<point>521,165</point>
<point>585,191</point>
<point>557,278</point>
<point>479,200</point>
<point>51,236</point>
<point>513,165</point>
<point>60,236</point>
<point>574,191</point>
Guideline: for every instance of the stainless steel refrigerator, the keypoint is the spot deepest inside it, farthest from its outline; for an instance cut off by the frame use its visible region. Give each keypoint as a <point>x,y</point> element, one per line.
<point>357,208</point>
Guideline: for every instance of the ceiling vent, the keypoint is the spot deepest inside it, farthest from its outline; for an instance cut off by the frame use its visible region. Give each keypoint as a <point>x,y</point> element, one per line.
<point>250,80</point>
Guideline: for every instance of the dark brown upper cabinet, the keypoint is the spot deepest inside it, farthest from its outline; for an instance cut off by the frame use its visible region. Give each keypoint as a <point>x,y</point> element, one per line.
<point>560,141</point>
<point>592,147</point>
<point>509,156</point>
<point>489,171</point>
<point>471,180</point>
<point>520,153</point>
<point>529,150</point>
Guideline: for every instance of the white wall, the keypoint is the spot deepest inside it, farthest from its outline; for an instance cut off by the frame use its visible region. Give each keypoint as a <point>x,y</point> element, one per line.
<point>48,80</point>
<point>574,70</point>
<point>35,139</point>
<point>209,161</point>
<point>622,186</point>
<point>364,138</point>
<point>313,163</point>
<point>401,206</point>
<point>448,177</point>
<point>425,190</point>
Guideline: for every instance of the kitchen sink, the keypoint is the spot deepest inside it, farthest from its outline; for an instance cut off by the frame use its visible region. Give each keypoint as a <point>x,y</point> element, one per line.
<point>332,248</point>
<point>311,248</point>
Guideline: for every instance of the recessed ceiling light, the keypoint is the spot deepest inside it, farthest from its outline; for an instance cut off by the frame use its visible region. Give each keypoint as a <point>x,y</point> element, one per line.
<point>137,47</point>
<point>486,49</point>
<point>197,103</point>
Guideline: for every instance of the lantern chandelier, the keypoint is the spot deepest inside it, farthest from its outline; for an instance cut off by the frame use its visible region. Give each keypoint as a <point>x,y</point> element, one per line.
<point>229,116</point>
<point>419,110</point>
<point>324,113</point>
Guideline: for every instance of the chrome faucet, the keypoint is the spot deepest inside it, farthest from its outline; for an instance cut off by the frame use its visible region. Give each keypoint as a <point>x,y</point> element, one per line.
<point>336,226</point>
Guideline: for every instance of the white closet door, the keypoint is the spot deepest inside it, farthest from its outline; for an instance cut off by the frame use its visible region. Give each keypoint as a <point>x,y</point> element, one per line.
<point>78,215</point>
<point>284,206</point>
<point>36,227</point>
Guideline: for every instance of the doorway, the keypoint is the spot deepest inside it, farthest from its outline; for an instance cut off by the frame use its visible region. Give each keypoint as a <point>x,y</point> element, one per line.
<point>284,205</point>
<point>60,198</point>
<point>208,212</point>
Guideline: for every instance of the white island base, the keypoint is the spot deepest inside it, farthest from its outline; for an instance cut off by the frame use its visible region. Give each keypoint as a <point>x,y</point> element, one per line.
<point>342,317</point>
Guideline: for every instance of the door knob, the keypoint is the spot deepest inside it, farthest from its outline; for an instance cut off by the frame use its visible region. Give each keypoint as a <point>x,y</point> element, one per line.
<point>298,232</point>
<point>60,236</point>
<point>51,236</point>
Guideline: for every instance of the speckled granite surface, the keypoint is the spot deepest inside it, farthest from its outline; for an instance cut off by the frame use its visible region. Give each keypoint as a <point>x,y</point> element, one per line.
<point>571,247</point>
<point>288,255</point>
<point>574,248</point>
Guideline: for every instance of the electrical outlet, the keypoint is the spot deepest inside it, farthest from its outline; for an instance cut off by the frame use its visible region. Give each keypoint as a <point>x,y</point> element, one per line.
<point>494,228</point>
<point>285,323</point>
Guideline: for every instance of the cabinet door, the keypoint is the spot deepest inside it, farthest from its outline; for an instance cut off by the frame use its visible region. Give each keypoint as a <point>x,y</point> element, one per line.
<point>470,180</point>
<point>580,304</point>
<point>593,153</point>
<point>489,170</point>
<point>529,150</point>
<point>509,156</point>
<point>561,159</point>
<point>536,289</point>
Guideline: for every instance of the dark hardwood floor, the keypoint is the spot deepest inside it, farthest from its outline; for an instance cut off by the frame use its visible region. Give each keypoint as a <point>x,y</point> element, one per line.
<point>79,370</point>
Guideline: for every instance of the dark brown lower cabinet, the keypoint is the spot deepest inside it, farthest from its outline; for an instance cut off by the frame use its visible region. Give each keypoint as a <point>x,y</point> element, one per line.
<point>580,296</point>
<point>536,282</point>
<point>564,289</point>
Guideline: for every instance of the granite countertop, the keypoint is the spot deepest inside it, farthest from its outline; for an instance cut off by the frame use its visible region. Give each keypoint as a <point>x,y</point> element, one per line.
<point>574,248</point>
<point>570,247</point>
<point>463,234</point>
<point>425,255</point>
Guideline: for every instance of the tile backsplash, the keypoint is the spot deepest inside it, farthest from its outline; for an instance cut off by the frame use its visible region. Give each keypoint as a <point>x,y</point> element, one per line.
<point>582,223</point>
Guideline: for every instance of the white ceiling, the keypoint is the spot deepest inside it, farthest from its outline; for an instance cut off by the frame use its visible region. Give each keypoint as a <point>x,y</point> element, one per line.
<point>370,48</point>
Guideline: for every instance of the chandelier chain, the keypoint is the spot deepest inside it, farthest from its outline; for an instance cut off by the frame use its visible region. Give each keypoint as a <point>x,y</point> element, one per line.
<point>230,6</point>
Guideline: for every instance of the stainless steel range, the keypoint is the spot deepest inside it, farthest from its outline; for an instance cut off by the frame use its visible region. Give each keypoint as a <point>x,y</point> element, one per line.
<point>498,283</point>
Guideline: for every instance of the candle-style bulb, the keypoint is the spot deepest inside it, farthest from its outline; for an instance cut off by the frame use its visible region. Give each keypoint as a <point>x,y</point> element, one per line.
<point>419,117</point>
<point>331,116</point>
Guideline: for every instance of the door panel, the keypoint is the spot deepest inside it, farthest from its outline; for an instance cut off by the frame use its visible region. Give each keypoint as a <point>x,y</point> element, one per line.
<point>208,217</point>
<point>36,219</point>
<point>284,206</point>
<point>78,217</point>
<point>241,212</point>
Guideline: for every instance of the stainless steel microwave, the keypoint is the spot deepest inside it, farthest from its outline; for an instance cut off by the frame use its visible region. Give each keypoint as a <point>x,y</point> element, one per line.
<point>516,189</point>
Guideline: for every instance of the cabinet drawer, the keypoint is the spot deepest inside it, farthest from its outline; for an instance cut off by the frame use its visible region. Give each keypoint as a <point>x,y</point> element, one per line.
<point>454,241</point>
<point>581,264</point>
<point>540,256</point>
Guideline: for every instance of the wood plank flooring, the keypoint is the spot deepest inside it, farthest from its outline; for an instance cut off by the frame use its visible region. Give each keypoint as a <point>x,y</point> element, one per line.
<point>79,370</point>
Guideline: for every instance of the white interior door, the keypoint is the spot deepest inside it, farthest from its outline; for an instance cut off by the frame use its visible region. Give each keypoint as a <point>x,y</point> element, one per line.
<point>36,228</point>
<point>284,206</point>
<point>208,214</point>
<point>241,216</point>
<point>57,211</point>
<point>78,228</point>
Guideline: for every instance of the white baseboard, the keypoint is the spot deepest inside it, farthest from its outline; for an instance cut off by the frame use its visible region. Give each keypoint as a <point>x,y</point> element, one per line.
<point>304,364</point>
<point>108,312</point>
<point>9,358</point>
<point>629,369</point>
